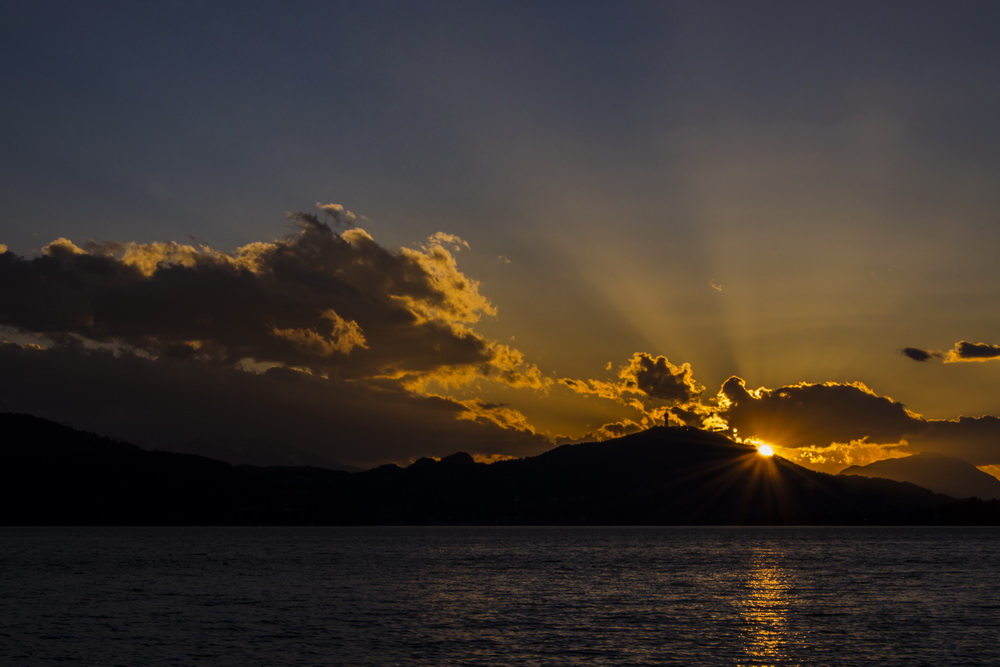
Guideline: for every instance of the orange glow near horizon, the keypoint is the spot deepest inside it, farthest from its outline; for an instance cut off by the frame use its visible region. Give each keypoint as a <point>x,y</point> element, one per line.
<point>765,450</point>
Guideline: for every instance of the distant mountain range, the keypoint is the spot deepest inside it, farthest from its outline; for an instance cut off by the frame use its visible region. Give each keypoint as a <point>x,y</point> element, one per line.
<point>52,474</point>
<point>943,474</point>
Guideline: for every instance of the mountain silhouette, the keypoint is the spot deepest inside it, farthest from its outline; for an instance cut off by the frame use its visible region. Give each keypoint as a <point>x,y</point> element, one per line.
<point>943,474</point>
<point>659,476</point>
<point>52,474</point>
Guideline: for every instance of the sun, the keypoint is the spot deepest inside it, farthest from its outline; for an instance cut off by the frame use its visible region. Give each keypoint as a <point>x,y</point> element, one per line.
<point>765,450</point>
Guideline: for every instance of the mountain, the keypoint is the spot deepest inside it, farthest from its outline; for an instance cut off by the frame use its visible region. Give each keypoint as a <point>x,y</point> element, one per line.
<point>659,476</point>
<point>51,474</point>
<point>944,474</point>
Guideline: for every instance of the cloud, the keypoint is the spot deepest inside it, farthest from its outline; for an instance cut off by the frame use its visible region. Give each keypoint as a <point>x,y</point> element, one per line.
<point>843,424</point>
<point>974,439</point>
<point>656,377</point>
<point>278,416</point>
<point>966,351</point>
<point>644,376</point>
<point>444,238</point>
<point>839,455</point>
<point>377,332</point>
<point>338,214</point>
<point>918,354</point>
<point>501,415</point>
<point>617,430</point>
<point>806,414</point>
<point>344,337</point>
<point>826,426</point>
<point>328,302</point>
<point>963,351</point>
<point>324,345</point>
<point>661,392</point>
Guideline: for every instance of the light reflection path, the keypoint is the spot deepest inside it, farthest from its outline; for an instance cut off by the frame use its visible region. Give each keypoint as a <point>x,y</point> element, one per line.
<point>770,596</point>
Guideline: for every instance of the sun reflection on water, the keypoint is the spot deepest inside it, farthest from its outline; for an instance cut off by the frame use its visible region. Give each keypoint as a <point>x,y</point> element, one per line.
<point>765,608</point>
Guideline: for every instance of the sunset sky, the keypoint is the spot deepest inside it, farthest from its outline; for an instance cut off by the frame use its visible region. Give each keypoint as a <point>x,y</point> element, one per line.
<point>522,223</point>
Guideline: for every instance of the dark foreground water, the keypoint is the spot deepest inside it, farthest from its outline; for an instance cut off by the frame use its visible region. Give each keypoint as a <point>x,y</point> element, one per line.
<point>545,596</point>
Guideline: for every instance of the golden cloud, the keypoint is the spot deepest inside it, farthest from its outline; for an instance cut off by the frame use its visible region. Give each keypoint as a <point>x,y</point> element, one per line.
<point>346,336</point>
<point>643,376</point>
<point>382,331</point>
<point>965,351</point>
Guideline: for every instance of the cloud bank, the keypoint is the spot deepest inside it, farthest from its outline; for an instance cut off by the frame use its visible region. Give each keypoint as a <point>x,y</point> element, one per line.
<point>330,333</point>
<point>326,347</point>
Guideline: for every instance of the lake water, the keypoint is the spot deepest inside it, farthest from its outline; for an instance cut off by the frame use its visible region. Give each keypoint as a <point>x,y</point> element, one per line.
<point>490,596</point>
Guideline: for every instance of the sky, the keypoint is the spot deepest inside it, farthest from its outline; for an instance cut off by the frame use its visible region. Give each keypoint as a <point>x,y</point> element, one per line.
<point>361,232</point>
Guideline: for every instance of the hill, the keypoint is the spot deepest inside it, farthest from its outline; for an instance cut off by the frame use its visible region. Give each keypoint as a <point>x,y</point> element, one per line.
<point>943,474</point>
<point>659,476</point>
<point>52,474</point>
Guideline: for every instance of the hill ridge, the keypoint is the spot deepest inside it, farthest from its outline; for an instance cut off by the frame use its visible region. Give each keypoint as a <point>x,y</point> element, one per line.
<point>663,476</point>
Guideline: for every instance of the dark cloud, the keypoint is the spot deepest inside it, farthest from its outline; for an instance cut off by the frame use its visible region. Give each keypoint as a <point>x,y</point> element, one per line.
<point>656,377</point>
<point>805,415</point>
<point>661,392</point>
<point>817,416</point>
<point>325,346</point>
<point>644,376</point>
<point>974,439</point>
<point>369,330</point>
<point>963,351</point>
<point>918,354</point>
<point>332,303</point>
<point>825,425</point>
<point>278,416</point>
<point>966,351</point>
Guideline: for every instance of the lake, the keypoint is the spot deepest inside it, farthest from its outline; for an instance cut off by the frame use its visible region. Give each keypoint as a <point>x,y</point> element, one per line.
<point>490,596</point>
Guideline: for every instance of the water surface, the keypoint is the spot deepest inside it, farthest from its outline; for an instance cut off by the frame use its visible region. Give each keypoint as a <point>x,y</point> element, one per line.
<point>532,596</point>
